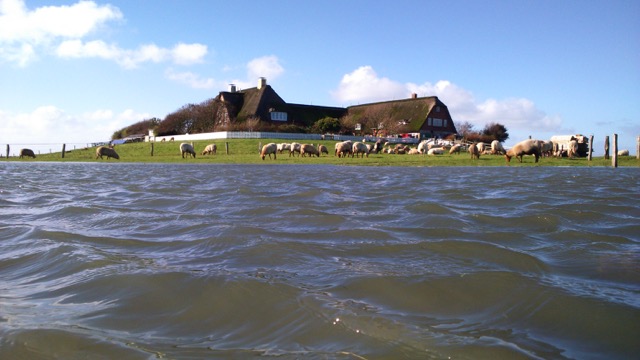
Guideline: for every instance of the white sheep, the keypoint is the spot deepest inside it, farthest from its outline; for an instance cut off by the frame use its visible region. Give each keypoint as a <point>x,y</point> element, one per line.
<point>455,149</point>
<point>413,151</point>
<point>360,148</point>
<point>474,151</point>
<point>283,146</point>
<point>29,153</point>
<point>525,147</point>
<point>294,148</point>
<point>573,148</point>
<point>187,149</point>
<point>210,149</point>
<point>106,151</point>
<point>309,149</point>
<point>481,147</point>
<point>496,148</point>
<point>323,149</point>
<point>620,153</point>
<point>343,148</point>
<point>435,151</point>
<point>270,148</point>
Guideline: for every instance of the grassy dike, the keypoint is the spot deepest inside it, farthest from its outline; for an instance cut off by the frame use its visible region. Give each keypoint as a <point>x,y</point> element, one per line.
<point>245,151</point>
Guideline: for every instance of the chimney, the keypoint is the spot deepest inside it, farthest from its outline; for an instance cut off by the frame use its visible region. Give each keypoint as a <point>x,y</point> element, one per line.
<point>262,82</point>
<point>232,88</point>
<point>414,95</point>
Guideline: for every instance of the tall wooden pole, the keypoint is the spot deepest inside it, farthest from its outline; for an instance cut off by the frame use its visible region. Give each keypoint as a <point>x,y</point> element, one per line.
<point>63,147</point>
<point>7,151</point>
<point>606,147</point>
<point>590,148</point>
<point>151,148</point>
<point>614,155</point>
<point>638,148</point>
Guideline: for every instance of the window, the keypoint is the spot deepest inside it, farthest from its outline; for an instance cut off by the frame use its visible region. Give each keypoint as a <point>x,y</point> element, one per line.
<point>437,108</point>
<point>444,122</point>
<point>429,122</point>
<point>437,122</point>
<point>278,116</point>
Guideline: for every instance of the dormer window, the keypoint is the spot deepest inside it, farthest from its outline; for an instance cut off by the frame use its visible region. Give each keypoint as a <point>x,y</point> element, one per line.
<point>437,108</point>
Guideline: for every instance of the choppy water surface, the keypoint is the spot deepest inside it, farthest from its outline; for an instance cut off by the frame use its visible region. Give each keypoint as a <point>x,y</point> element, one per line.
<point>144,261</point>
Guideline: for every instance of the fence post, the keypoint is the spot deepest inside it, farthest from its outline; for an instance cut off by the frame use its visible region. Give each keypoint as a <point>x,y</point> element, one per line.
<point>638,148</point>
<point>7,151</point>
<point>606,147</point>
<point>614,154</point>
<point>151,148</point>
<point>590,147</point>
<point>226,147</point>
<point>63,147</point>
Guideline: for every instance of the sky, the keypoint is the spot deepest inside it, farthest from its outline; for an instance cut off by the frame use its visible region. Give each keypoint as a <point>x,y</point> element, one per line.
<point>74,72</point>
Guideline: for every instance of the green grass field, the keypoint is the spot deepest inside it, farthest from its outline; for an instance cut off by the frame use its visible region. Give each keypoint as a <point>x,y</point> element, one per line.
<point>245,151</point>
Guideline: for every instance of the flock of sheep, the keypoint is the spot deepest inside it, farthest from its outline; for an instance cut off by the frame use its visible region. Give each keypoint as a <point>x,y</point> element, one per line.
<point>537,148</point>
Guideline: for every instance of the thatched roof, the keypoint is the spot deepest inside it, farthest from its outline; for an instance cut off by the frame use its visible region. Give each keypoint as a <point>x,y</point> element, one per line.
<point>413,111</point>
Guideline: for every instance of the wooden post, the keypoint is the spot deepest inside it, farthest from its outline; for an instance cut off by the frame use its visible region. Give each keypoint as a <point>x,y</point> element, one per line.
<point>590,148</point>
<point>614,155</point>
<point>638,148</point>
<point>63,147</point>
<point>606,147</point>
<point>8,151</point>
<point>226,147</point>
<point>152,149</point>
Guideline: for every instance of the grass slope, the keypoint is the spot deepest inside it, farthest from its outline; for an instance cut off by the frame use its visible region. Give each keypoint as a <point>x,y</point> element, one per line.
<point>245,151</point>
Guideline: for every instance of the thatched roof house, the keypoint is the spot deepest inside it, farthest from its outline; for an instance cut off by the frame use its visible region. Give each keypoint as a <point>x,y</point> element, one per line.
<point>427,115</point>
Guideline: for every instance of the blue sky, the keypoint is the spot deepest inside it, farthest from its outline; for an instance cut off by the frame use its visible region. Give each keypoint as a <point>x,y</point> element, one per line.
<point>76,71</point>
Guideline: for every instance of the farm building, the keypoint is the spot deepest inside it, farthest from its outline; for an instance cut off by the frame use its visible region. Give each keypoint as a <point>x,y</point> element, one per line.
<point>428,116</point>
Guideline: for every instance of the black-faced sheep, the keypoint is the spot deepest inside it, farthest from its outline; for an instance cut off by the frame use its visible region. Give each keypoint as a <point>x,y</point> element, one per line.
<point>27,152</point>
<point>526,147</point>
<point>270,148</point>
<point>309,149</point>
<point>210,149</point>
<point>187,149</point>
<point>106,151</point>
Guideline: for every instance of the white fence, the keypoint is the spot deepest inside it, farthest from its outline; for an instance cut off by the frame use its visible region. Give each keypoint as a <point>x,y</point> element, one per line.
<point>270,135</point>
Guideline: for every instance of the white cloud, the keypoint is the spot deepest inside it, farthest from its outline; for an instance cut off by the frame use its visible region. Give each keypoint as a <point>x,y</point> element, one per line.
<point>48,127</point>
<point>24,33</point>
<point>364,85</point>
<point>267,66</point>
<point>191,79</point>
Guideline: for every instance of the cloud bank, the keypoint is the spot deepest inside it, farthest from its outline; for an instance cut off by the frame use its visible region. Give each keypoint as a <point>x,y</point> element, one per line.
<point>62,32</point>
<point>364,85</point>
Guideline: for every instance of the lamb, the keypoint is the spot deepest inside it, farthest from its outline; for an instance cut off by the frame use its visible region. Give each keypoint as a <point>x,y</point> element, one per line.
<point>210,149</point>
<point>295,147</point>
<point>525,147</point>
<point>283,146</point>
<point>309,149</point>
<point>474,151</point>
<point>270,148</point>
<point>496,148</point>
<point>455,149</point>
<point>323,149</point>
<point>29,152</point>
<point>106,151</point>
<point>360,148</point>
<point>620,153</point>
<point>343,148</point>
<point>187,149</point>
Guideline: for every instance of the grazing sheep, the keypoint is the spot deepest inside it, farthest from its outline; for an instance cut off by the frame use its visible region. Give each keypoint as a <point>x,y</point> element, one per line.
<point>546,148</point>
<point>270,148</point>
<point>481,146</point>
<point>360,148</point>
<point>526,147</point>
<point>294,148</point>
<point>342,149</point>
<point>455,149</point>
<point>573,148</point>
<point>210,149</point>
<point>29,153</point>
<point>106,151</point>
<point>435,151</point>
<point>496,148</point>
<point>283,146</point>
<point>377,147</point>
<point>474,151</point>
<point>323,149</point>
<point>188,150</point>
<point>309,149</point>
<point>620,153</point>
